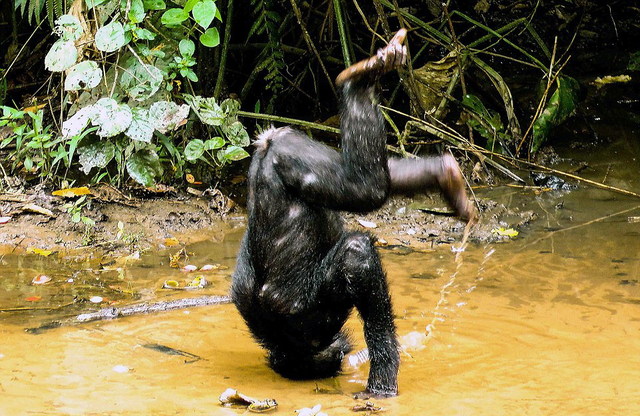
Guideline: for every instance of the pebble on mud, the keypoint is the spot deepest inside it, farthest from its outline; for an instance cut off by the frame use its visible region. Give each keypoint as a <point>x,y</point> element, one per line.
<point>121,369</point>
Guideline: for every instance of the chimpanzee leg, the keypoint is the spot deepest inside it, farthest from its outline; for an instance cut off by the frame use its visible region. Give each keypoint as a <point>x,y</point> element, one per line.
<point>354,268</point>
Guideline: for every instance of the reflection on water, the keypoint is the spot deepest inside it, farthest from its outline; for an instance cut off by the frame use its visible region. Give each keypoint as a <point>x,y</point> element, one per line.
<point>546,325</point>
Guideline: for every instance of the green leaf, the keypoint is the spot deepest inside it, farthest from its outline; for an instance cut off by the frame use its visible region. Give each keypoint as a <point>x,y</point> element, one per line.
<point>174,17</point>
<point>485,121</point>
<point>191,75</point>
<point>204,12</point>
<point>634,62</point>
<point>68,27</point>
<point>210,38</point>
<point>194,150</point>
<point>144,34</point>
<point>214,143</point>
<point>236,134</point>
<point>111,37</point>
<point>154,4</point>
<point>62,56</point>
<point>136,10</point>
<point>113,118</point>
<point>93,3</point>
<point>233,153</point>
<point>144,166</point>
<point>559,107</point>
<point>187,47</point>
<point>141,81</point>
<point>167,115</point>
<point>141,128</point>
<point>208,111</point>
<point>230,107</point>
<point>85,75</point>
<point>97,154</point>
<point>190,4</point>
<point>137,13</point>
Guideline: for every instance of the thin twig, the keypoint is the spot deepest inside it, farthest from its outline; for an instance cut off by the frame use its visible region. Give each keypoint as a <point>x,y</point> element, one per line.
<point>366,21</point>
<point>287,120</point>
<point>20,51</point>
<point>311,45</point>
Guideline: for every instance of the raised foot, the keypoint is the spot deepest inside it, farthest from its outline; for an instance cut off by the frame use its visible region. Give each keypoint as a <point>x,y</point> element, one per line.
<point>386,59</point>
<point>453,189</point>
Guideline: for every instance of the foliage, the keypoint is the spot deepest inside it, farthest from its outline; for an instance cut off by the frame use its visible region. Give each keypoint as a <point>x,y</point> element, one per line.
<point>126,96</point>
<point>560,106</point>
<point>485,121</point>
<point>34,147</point>
<point>634,62</point>
<point>271,58</point>
<point>33,9</point>
<point>131,70</point>
<point>75,209</point>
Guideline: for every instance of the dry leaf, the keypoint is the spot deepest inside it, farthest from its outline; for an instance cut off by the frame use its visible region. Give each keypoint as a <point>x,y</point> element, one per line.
<point>71,192</point>
<point>41,279</point>
<point>39,251</point>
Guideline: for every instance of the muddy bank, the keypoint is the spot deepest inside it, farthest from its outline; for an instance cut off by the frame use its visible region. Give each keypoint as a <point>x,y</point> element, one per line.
<point>137,223</point>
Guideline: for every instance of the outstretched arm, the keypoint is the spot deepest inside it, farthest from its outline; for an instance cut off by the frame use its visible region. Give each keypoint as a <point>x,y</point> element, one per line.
<point>437,172</point>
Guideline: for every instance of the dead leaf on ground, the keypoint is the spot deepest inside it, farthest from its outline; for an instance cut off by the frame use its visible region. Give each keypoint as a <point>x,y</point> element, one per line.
<point>37,209</point>
<point>41,279</point>
<point>72,192</point>
<point>39,251</point>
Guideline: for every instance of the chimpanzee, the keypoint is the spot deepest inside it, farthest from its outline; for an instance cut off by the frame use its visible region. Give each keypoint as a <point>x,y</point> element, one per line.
<point>299,273</point>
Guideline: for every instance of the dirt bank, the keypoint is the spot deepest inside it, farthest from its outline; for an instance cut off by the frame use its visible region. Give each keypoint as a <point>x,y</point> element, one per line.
<point>141,222</point>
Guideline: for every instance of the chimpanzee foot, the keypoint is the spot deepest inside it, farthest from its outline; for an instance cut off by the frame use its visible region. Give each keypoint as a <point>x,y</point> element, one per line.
<point>453,189</point>
<point>386,59</point>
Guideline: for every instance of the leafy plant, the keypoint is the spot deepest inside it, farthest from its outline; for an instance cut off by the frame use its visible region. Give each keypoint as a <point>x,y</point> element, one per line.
<point>559,107</point>
<point>228,145</point>
<point>33,146</point>
<point>33,9</point>
<point>271,59</point>
<point>75,209</point>
<point>485,121</point>
<point>132,108</point>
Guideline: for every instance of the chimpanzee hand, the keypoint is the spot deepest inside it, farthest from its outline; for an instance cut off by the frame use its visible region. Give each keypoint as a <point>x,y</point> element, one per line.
<point>366,395</point>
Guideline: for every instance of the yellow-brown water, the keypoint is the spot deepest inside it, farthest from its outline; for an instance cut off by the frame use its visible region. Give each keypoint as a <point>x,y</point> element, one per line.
<point>548,324</point>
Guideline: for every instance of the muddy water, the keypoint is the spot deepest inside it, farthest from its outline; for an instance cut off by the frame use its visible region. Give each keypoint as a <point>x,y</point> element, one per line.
<point>548,324</point>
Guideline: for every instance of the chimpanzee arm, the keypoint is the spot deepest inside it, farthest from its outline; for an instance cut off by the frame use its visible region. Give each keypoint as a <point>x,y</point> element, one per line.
<point>356,179</point>
<point>437,172</point>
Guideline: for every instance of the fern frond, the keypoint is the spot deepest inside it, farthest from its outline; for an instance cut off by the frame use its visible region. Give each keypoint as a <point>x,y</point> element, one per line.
<point>54,9</point>
<point>271,58</point>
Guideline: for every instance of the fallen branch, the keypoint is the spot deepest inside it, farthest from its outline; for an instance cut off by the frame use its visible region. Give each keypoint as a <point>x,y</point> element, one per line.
<point>142,308</point>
